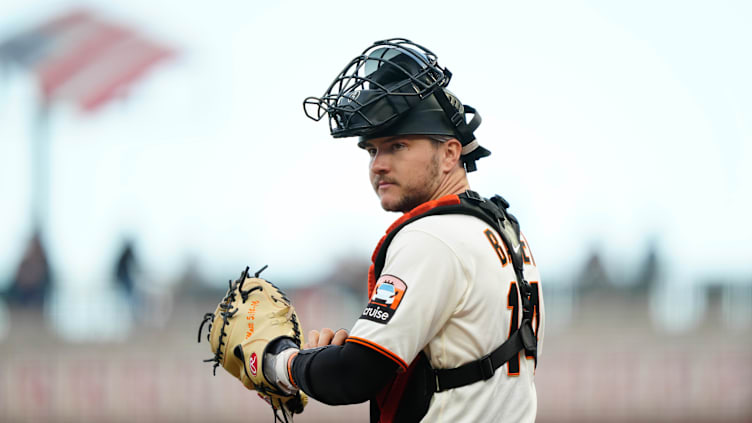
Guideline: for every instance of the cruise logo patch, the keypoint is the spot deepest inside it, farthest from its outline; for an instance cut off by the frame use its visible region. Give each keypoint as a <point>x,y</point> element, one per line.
<point>385,299</point>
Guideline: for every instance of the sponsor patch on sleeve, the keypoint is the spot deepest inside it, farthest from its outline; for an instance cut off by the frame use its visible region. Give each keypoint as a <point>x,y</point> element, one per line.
<point>385,299</point>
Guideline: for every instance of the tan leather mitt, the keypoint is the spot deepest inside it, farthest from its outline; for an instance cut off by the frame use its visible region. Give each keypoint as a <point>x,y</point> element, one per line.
<point>253,315</point>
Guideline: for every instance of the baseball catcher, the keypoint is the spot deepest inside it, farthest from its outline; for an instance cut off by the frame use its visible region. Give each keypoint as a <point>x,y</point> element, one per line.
<point>253,330</point>
<point>452,328</point>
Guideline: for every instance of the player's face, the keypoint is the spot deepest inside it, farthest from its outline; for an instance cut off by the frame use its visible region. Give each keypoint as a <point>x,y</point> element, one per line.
<point>404,170</point>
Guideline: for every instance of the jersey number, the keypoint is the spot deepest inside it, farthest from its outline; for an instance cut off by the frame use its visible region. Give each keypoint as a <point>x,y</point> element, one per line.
<point>513,304</point>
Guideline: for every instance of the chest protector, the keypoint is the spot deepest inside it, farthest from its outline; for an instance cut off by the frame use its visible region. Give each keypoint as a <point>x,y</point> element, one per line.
<point>407,397</point>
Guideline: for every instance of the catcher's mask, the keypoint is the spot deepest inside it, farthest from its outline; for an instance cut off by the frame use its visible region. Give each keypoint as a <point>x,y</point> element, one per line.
<point>396,87</point>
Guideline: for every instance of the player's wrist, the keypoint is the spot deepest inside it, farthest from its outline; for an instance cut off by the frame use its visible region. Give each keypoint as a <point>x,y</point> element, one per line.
<point>277,367</point>
<point>289,368</point>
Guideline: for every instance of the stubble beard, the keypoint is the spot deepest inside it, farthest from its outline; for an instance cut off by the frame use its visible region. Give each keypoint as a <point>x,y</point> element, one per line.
<point>420,193</point>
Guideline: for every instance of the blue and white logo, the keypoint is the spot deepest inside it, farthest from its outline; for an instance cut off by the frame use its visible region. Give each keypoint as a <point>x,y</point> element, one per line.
<point>385,293</point>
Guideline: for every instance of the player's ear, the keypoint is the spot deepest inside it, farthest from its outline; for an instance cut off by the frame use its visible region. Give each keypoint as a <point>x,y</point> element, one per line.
<point>451,152</point>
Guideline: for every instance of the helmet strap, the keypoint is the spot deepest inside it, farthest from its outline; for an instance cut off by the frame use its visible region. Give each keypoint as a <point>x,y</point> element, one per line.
<point>462,128</point>
<point>471,150</point>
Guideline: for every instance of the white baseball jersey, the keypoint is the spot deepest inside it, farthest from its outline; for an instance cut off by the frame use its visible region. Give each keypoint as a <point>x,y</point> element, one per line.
<point>449,288</point>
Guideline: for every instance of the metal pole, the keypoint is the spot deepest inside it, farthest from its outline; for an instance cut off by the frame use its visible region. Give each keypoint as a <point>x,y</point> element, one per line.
<point>40,169</point>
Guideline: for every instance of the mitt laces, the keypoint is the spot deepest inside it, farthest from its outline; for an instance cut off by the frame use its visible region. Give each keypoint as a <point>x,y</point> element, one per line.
<point>226,312</point>
<point>284,418</point>
<point>279,408</point>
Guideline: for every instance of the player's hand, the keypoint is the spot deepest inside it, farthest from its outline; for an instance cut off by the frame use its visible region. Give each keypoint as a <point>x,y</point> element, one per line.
<point>325,337</point>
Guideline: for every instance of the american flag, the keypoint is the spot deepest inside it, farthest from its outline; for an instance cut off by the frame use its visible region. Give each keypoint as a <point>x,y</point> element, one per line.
<point>81,58</point>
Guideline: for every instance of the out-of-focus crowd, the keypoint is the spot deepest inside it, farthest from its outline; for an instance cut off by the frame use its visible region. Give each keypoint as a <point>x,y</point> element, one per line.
<point>127,350</point>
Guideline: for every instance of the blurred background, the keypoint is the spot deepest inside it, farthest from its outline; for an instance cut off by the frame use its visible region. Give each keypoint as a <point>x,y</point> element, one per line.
<point>148,153</point>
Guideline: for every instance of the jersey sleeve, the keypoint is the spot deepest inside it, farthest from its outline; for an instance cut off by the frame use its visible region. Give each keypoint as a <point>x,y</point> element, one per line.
<point>422,284</point>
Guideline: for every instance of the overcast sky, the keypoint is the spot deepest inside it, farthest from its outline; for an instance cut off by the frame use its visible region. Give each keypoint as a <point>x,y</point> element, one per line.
<point>610,123</point>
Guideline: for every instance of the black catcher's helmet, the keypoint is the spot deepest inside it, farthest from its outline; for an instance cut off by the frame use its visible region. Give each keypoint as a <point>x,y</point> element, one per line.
<point>396,87</point>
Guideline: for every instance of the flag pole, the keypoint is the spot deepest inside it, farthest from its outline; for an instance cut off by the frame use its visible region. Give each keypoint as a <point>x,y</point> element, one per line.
<point>40,168</point>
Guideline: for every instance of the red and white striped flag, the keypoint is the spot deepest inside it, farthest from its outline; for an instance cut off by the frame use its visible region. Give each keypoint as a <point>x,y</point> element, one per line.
<point>83,59</point>
<point>111,71</point>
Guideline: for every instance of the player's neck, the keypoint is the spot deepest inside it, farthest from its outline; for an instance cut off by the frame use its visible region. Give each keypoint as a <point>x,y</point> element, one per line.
<point>454,182</point>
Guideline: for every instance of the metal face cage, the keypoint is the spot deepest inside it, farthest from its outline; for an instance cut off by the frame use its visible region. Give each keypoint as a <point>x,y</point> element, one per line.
<point>376,88</point>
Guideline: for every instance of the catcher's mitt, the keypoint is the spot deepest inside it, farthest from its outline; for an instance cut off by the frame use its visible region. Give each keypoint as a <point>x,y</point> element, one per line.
<point>254,321</point>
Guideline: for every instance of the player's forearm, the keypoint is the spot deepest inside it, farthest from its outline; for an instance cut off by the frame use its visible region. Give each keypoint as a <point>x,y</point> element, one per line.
<point>338,375</point>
